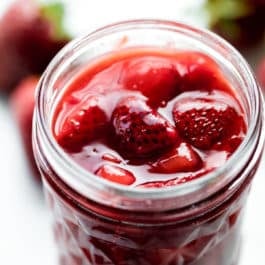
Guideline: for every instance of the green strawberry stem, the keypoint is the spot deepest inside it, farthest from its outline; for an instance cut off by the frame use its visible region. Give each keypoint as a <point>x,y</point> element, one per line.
<point>55,13</point>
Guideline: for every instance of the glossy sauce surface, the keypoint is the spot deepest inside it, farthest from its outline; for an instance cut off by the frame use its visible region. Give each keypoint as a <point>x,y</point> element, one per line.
<point>150,118</point>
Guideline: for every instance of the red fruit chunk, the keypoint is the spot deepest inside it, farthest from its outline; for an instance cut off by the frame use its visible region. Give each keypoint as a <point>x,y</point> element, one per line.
<point>230,144</point>
<point>86,122</point>
<point>182,159</point>
<point>199,72</point>
<point>30,36</point>
<point>22,104</point>
<point>116,174</point>
<point>261,74</point>
<point>141,131</point>
<point>206,122</point>
<point>155,77</point>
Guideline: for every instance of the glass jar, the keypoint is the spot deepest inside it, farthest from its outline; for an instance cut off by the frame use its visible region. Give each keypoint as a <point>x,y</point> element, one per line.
<point>101,223</point>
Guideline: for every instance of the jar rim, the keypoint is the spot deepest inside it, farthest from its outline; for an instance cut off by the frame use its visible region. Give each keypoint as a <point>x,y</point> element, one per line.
<point>82,178</point>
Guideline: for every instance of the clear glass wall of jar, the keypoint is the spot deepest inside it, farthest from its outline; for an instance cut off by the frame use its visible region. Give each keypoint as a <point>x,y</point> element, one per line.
<point>97,222</point>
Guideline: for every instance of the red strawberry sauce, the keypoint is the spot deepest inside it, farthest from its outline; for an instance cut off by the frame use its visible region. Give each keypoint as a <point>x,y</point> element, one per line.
<point>150,118</point>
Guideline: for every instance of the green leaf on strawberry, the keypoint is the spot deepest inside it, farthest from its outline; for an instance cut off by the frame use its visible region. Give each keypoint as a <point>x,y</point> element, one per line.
<point>55,13</point>
<point>241,22</point>
<point>227,9</point>
<point>31,35</point>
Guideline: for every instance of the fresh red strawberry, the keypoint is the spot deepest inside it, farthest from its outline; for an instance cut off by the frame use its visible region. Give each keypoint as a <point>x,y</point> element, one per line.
<point>116,174</point>
<point>241,22</point>
<point>261,74</point>
<point>22,104</point>
<point>85,122</point>
<point>182,159</point>
<point>206,123</point>
<point>141,131</point>
<point>155,77</point>
<point>30,36</point>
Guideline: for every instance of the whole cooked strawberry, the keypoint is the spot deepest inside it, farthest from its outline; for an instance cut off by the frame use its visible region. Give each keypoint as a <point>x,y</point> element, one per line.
<point>181,159</point>
<point>139,130</point>
<point>22,105</point>
<point>241,22</point>
<point>207,123</point>
<point>85,122</point>
<point>155,77</point>
<point>199,72</point>
<point>30,35</point>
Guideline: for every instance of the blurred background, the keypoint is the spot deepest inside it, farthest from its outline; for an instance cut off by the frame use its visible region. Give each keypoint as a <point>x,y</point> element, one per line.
<point>25,234</point>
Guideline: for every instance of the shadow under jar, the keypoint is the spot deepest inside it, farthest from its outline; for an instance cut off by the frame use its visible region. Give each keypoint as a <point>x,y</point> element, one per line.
<point>97,222</point>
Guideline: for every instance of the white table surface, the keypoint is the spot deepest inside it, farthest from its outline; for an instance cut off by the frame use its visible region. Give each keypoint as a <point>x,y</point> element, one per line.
<point>25,234</point>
